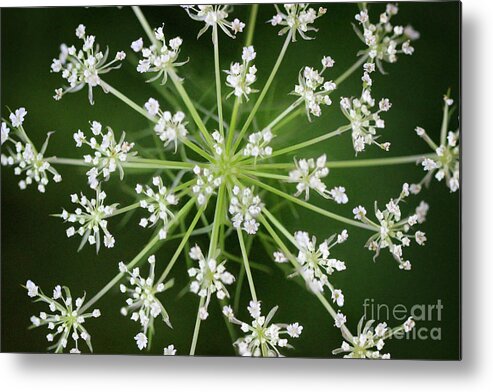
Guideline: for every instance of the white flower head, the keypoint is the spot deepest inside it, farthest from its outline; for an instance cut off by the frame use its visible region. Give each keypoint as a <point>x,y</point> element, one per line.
<point>296,19</point>
<point>109,154</point>
<point>214,16</point>
<point>157,202</point>
<point>91,215</point>
<point>263,338</point>
<point>67,318</point>
<point>170,128</point>
<point>142,303</point>
<point>205,185</point>
<point>241,76</point>
<point>209,278</point>
<point>81,67</point>
<point>244,208</point>
<point>258,145</point>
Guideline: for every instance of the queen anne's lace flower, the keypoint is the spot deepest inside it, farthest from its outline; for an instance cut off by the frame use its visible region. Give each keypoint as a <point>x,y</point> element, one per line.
<point>242,76</point>
<point>244,208</point>
<point>142,304</point>
<point>171,128</point>
<point>66,321</point>
<point>26,159</point>
<point>170,350</point>
<point>258,144</point>
<point>384,40</point>
<point>214,15</point>
<point>91,218</point>
<point>296,18</point>
<point>365,122</point>
<point>263,339</point>
<point>160,58</point>
<point>83,66</point>
<point>157,203</point>
<point>108,154</point>
<point>210,278</point>
<point>393,230</point>
<point>446,162</point>
<point>308,175</point>
<point>313,88</point>
<point>205,185</point>
<point>369,341</point>
<point>316,264</point>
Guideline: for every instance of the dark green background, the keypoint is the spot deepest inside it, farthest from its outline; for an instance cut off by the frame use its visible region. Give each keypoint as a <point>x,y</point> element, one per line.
<point>34,245</point>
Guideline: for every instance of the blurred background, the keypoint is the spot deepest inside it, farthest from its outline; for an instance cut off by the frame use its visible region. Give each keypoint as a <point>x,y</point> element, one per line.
<point>34,245</point>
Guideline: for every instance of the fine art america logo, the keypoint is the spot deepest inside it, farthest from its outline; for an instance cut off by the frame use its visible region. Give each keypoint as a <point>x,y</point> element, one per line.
<point>428,318</point>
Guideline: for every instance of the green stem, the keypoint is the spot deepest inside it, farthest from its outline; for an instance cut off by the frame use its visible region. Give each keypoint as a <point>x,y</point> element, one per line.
<point>126,209</point>
<point>232,127</point>
<point>106,87</point>
<point>182,244</point>
<point>145,25</point>
<point>134,163</point>
<point>308,206</point>
<point>218,216</point>
<point>215,40</point>
<point>288,110</point>
<point>251,24</point>
<point>196,330</point>
<point>264,91</point>
<point>190,106</point>
<point>351,69</point>
<point>247,265</point>
<point>443,130</point>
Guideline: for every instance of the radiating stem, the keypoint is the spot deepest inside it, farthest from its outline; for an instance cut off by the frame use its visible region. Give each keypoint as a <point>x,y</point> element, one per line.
<point>145,25</point>
<point>215,40</point>
<point>124,98</point>
<point>264,91</point>
<point>134,163</point>
<point>196,330</point>
<point>350,70</point>
<point>308,206</point>
<point>251,24</point>
<point>182,244</point>
<point>246,264</point>
<point>443,130</point>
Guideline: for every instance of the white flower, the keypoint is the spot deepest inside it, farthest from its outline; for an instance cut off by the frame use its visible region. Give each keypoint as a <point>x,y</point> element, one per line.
<point>108,153</point>
<point>394,232</point>
<point>25,157</point>
<point>316,263</point>
<point>280,257</point>
<point>340,320</point>
<point>83,67</point>
<point>66,320</point>
<point>338,297</point>
<point>92,218</point>
<point>152,107</point>
<point>409,324</point>
<point>214,15</point>
<point>258,144</point>
<point>296,18</point>
<point>210,278</point>
<point>141,340</point>
<point>170,350</point>
<point>160,58</point>
<point>244,208</point>
<point>313,89</point>
<point>205,184</point>
<point>263,338</point>
<point>308,175</point>
<point>157,203</point>
<point>171,128</point>
<point>17,118</point>
<point>242,76</point>
<point>143,305</point>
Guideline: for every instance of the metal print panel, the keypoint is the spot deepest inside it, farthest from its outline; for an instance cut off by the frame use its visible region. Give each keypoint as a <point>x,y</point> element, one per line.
<point>251,180</point>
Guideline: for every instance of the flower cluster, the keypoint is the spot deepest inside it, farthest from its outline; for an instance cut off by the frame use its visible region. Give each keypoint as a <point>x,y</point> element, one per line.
<point>369,341</point>
<point>83,66</point>
<point>258,144</point>
<point>242,76</point>
<point>313,89</point>
<point>384,40</point>
<point>67,318</point>
<point>91,218</point>
<point>142,303</point>
<point>157,203</point>
<point>171,128</point>
<point>244,208</point>
<point>263,338</point>
<point>158,58</point>
<point>308,175</point>
<point>26,159</point>
<point>392,229</point>
<point>445,164</point>
<point>316,264</point>
<point>365,122</point>
<point>296,18</point>
<point>108,154</point>
<point>205,185</point>
<point>214,15</point>
<point>209,278</point>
